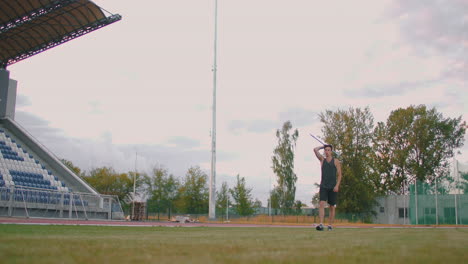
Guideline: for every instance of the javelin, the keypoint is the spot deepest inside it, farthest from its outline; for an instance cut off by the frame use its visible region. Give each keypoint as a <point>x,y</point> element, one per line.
<point>321,142</point>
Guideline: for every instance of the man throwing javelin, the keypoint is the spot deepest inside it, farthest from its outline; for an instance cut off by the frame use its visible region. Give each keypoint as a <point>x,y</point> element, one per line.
<point>329,184</point>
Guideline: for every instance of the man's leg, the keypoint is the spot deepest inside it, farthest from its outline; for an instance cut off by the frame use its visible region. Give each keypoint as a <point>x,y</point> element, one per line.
<point>323,199</point>
<point>331,219</point>
<point>332,202</point>
<point>321,216</point>
<point>322,211</point>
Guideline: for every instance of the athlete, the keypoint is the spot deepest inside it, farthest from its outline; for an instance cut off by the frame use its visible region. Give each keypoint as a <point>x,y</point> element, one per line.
<point>329,184</point>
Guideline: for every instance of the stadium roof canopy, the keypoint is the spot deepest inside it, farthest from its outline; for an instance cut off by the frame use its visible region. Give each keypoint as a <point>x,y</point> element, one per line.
<point>29,27</point>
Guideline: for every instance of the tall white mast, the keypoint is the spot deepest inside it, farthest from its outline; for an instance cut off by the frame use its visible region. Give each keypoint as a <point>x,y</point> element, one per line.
<point>212,202</point>
<point>134,187</point>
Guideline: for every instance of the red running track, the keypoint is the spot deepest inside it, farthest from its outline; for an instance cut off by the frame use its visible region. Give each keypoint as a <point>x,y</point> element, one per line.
<point>48,221</point>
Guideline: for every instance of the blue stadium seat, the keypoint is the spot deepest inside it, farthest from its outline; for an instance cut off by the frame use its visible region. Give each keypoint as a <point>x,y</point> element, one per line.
<point>29,176</point>
<point>5,196</point>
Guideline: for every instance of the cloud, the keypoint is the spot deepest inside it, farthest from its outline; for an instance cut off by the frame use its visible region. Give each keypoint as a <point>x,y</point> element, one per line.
<point>253,126</point>
<point>383,90</point>
<point>178,155</point>
<point>37,126</point>
<point>184,142</point>
<point>435,27</point>
<point>22,100</point>
<point>95,107</point>
<point>176,159</point>
<point>298,116</point>
<point>374,91</point>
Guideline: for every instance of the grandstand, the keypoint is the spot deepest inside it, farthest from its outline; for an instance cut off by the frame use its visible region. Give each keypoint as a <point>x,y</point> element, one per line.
<point>33,181</point>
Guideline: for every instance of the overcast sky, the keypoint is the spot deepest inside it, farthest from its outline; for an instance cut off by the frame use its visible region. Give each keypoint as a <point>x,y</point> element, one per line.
<point>144,85</point>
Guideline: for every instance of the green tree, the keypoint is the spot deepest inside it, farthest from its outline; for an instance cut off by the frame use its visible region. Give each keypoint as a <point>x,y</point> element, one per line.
<point>351,131</point>
<point>390,179</point>
<point>72,167</point>
<point>416,143</point>
<point>257,203</point>
<point>298,205</point>
<point>193,193</point>
<point>275,200</point>
<point>242,197</point>
<point>222,198</point>
<point>106,180</point>
<point>172,187</point>
<point>444,184</point>
<point>464,182</point>
<point>315,200</point>
<point>162,188</point>
<point>283,166</point>
<point>316,197</point>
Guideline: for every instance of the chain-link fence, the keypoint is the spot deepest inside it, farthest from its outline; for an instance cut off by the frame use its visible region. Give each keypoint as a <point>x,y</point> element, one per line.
<point>439,209</point>
<point>423,209</point>
<point>261,215</point>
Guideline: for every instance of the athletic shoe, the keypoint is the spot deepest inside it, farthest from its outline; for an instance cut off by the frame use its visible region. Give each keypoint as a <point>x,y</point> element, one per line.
<point>319,227</point>
<point>330,228</point>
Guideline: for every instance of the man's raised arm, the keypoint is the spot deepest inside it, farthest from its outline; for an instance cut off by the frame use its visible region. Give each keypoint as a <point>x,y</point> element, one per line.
<point>316,150</point>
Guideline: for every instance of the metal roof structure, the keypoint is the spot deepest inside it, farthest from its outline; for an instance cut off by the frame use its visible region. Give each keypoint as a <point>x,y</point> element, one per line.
<point>29,27</point>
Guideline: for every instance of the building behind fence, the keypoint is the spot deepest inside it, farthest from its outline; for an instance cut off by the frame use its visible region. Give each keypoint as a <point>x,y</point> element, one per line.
<point>425,204</point>
<point>427,209</point>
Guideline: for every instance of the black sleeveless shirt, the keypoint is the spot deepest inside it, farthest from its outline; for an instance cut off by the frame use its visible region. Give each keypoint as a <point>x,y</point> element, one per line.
<point>328,174</point>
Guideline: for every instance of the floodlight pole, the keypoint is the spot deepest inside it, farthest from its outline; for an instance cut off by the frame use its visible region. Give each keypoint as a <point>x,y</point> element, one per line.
<point>456,190</point>
<point>406,201</point>
<point>269,199</point>
<point>212,198</point>
<point>416,198</point>
<point>134,187</point>
<point>436,203</point>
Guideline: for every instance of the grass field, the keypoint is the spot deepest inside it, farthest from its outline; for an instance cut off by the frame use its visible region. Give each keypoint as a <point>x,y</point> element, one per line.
<point>106,244</point>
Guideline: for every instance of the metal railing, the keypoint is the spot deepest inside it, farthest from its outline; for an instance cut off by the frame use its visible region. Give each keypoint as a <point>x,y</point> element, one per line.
<point>32,202</point>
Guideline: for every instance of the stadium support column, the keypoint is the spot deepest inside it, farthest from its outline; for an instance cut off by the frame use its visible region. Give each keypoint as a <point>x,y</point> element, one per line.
<point>7,94</point>
<point>212,195</point>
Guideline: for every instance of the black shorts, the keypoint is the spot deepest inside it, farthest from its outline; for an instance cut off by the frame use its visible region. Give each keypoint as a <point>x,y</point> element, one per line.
<point>328,195</point>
